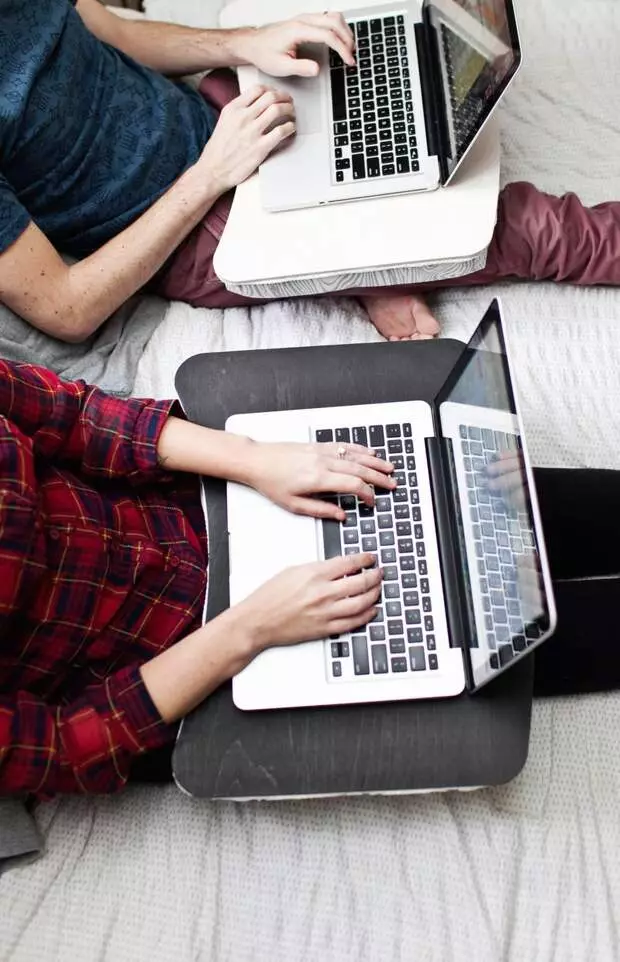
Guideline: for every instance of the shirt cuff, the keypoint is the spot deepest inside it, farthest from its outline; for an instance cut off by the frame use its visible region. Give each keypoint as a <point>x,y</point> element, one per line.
<point>138,725</point>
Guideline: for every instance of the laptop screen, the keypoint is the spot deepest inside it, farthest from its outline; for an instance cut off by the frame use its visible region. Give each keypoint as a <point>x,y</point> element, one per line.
<point>477,53</point>
<point>497,531</point>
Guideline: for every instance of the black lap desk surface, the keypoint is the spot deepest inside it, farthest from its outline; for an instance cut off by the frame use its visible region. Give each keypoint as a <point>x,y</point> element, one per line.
<point>222,752</point>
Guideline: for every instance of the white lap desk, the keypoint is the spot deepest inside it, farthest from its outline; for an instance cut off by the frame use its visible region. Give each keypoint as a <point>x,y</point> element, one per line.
<point>404,239</point>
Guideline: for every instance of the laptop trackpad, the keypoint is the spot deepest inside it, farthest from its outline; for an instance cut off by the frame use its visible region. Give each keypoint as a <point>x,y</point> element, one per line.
<point>305,91</point>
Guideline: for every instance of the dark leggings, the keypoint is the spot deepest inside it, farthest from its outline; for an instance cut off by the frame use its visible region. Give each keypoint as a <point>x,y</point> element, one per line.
<point>581,523</point>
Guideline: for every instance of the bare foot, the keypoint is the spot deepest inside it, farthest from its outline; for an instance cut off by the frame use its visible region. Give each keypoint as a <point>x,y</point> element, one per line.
<point>401,317</point>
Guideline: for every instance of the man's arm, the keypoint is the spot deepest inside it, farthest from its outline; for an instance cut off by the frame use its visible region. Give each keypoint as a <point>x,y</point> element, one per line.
<point>177,50</point>
<point>71,302</point>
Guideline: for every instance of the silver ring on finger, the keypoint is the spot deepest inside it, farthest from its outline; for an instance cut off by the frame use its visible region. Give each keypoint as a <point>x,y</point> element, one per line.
<point>341,452</point>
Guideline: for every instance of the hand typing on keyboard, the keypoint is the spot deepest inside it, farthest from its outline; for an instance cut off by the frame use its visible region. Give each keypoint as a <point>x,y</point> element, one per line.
<point>274,48</point>
<point>312,601</point>
<point>291,475</point>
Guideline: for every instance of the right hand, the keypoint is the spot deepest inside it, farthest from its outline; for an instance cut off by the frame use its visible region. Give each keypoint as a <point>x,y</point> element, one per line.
<point>249,128</point>
<point>314,601</point>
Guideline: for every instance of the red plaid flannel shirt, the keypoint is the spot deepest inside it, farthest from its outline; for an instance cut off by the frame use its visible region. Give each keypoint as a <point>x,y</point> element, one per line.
<point>102,565</point>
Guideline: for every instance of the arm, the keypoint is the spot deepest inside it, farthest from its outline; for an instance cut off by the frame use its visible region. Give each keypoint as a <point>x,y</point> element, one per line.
<point>71,302</point>
<point>88,745</point>
<point>177,50</point>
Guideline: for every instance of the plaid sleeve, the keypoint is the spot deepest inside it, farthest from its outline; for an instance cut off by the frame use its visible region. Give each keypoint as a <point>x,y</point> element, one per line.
<point>85,747</point>
<point>14,218</point>
<point>73,422</point>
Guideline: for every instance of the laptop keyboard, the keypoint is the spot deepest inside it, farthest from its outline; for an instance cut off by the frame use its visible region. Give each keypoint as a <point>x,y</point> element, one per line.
<point>374,131</point>
<point>502,534</point>
<point>401,637</point>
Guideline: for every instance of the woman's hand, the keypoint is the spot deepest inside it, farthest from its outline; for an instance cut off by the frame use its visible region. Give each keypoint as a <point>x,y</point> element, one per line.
<point>249,128</point>
<point>312,601</point>
<point>289,474</point>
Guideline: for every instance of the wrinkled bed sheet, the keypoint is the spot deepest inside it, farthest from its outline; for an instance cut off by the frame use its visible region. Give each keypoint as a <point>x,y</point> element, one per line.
<point>529,871</point>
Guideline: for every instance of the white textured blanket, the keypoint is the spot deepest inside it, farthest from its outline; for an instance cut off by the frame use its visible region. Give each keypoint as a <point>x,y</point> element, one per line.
<point>525,873</point>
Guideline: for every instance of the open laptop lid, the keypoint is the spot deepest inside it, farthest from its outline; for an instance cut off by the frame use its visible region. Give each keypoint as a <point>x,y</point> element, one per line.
<point>474,52</point>
<point>479,420</point>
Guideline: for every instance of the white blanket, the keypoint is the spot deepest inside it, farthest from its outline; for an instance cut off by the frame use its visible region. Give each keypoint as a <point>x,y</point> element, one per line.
<point>524,873</point>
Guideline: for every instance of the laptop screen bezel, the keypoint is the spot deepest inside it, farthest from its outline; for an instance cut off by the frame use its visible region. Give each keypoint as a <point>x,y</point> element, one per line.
<point>447,166</point>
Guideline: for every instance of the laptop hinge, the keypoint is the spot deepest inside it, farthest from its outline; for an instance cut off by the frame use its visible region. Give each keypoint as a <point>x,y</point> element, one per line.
<point>439,455</point>
<point>432,95</point>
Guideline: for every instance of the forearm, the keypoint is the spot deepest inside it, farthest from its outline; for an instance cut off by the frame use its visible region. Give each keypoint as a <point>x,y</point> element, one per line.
<point>176,50</point>
<point>183,446</point>
<point>100,283</point>
<point>185,674</point>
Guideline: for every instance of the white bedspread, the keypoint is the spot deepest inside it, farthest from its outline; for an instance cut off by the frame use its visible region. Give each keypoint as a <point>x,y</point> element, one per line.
<point>524,873</point>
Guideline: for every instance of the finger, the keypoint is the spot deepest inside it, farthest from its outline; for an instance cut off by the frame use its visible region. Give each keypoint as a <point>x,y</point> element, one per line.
<point>341,626</point>
<point>353,607</point>
<point>250,95</point>
<point>366,580</point>
<point>300,68</point>
<point>317,508</point>
<point>274,115</point>
<point>308,33</point>
<point>268,99</point>
<point>350,484</point>
<point>425,322</point>
<point>274,138</point>
<point>358,469</point>
<point>332,21</point>
<point>345,565</point>
<point>357,452</point>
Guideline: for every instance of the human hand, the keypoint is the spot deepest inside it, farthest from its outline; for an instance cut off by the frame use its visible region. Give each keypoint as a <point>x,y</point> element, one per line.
<point>290,473</point>
<point>273,48</point>
<point>313,601</point>
<point>249,128</point>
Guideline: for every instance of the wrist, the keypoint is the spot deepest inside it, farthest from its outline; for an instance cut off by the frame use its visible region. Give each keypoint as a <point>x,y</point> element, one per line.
<point>202,186</point>
<point>244,637</point>
<point>240,45</point>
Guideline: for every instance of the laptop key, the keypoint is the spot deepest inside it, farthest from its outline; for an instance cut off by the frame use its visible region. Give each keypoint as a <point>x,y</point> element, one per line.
<point>415,636</point>
<point>361,665</point>
<point>390,573</point>
<point>367,526</point>
<point>379,659</point>
<point>388,556</point>
<point>373,167</point>
<point>350,536</point>
<point>386,538</point>
<point>430,642</point>
<point>377,632</point>
<point>402,165</point>
<point>409,579</point>
<point>324,436</point>
<point>433,664</point>
<point>395,627</point>
<point>413,616</point>
<point>401,510</point>
<point>417,658</point>
<point>369,544</point>
<point>331,539</point>
<point>398,665</point>
<point>397,646</point>
<point>336,669</point>
<point>391,590</point>
<point>385,522</point>
<point>388,170</point>
<point>339,107</point>
<point>359,167</point>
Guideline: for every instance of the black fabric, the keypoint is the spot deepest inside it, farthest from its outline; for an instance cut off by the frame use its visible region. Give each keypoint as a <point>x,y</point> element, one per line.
<point>581,520</point>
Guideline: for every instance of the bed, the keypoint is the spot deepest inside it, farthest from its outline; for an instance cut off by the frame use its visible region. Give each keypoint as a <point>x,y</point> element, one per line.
<point>528,871</point>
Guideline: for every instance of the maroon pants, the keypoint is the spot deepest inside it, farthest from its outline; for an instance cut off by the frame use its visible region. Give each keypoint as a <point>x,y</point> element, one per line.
<point>537,237</point>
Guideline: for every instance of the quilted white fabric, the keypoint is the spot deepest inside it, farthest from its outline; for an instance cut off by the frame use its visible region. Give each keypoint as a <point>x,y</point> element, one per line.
<point>528,871</point>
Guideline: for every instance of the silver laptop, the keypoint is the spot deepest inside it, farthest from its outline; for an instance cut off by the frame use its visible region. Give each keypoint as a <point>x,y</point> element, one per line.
<point>466,585</point>
<point>427,78</point>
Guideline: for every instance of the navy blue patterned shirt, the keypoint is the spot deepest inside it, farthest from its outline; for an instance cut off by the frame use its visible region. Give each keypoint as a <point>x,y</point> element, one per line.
<point>88,138</point>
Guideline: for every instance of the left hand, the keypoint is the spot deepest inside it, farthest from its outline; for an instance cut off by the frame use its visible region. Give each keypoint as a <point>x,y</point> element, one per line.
<point>273,48</point>
<point>289,474</point>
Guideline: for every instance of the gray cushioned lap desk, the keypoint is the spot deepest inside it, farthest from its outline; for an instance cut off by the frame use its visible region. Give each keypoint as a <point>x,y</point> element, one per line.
<point>222,752</point>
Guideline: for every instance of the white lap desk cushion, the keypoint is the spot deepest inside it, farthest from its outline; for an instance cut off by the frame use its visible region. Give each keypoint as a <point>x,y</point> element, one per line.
<point>408,238</point>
